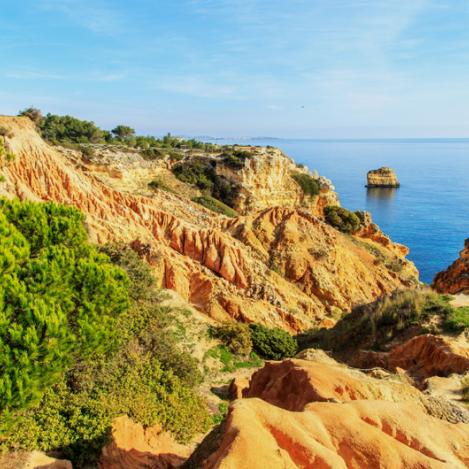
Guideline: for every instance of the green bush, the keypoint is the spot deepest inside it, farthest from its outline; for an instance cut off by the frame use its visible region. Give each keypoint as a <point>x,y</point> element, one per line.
<point>197,172</point>
<point>232,362</point>
<point>457,319</point>
<point>215,205</point>
<point>68,129</point>
<point>59,298</point>
<point>32,113</point>
<point>235,159</point>
<point>272,343</point>
<point>309,185</point>
<point>372,326</point>
<point>342,219</point>
<point>235,336</point>
<point>71,347</point>
<point>159,184</point>
<point>4,153</point>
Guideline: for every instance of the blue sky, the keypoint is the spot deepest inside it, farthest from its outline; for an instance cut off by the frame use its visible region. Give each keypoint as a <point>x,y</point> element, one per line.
<point>284,68</point>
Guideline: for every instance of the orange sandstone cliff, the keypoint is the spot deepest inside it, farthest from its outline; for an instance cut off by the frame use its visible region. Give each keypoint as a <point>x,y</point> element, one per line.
<point>282,265</point>
<point>456,278</point>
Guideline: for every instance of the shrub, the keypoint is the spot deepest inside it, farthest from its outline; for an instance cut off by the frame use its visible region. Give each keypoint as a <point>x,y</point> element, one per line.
<point>59,298</point>
<point>68,129</point>
<point>4,153</point>
<point>272,343</point>
<point>235,336</point>
<point>33,113</point>
<point>144,375</point>
<point>4,132</point>
<point>197,172</point>
<point>457,319</point>
<point>342,219</point>
<point>309,185</point>
<point>235,159</point>
<point>159,184</point>
<point>373,325</point>
<point>232,362</point>
<point>215,205</point>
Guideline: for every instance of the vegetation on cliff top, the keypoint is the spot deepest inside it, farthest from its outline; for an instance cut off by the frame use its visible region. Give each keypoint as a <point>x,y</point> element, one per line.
<point>70,130</point>
<point>83,339</point>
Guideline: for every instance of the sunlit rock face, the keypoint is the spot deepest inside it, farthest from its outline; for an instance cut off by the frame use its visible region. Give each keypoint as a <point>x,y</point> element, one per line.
<point>456,278</point>
<point>382,177</point>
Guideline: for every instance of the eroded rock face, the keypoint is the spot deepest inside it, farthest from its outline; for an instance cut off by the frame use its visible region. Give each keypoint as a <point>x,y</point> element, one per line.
<point>382,177</point>
<point>282,266</point>
<point>422,356</point>
<point>133,447</point>
<point>266,181</point>
<point>32,460</point>
<point>359,434</point>
<point>301,414</point>
<point>456,278</point>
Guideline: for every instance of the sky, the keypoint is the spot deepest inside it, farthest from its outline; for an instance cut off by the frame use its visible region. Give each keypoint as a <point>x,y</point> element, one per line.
<point>279,68</point>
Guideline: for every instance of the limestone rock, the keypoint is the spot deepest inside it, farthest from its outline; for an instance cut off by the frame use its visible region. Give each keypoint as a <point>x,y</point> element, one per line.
<point>456,278</point>
<point>382,177</point>
<point>32,460</point>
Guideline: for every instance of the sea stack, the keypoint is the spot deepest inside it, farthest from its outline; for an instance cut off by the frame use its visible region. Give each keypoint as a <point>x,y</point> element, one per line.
<point>382,177</point>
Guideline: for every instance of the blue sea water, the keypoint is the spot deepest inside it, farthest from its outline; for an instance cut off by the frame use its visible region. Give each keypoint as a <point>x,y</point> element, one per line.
<point>429,213</point>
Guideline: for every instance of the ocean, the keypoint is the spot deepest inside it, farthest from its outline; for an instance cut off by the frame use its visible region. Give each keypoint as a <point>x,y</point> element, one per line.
<point>429,213</point>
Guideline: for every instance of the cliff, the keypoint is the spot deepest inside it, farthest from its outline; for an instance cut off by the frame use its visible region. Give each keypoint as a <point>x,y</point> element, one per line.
<point>382,177</point>
<point>280,266</point>
<point>265,180</point>
<point>456,278</point>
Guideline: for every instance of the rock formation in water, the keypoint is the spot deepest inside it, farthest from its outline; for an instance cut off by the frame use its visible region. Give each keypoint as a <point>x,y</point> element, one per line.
<point>281,266</point>
<point>456,278</point>
<point>382,177</point>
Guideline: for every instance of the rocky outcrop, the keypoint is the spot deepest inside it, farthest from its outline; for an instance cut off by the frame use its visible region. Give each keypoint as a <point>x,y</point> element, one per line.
<point>133,447</point>
<point>382,177</point>
<point>356,434</point>
<point>280,266</point>
<point>265,180</point>
<point>422,356</point>
<point>322,414</point>
<point>456,278</point>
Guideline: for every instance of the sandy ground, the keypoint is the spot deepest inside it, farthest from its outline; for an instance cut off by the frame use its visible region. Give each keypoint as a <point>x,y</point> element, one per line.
<point>460,300</point>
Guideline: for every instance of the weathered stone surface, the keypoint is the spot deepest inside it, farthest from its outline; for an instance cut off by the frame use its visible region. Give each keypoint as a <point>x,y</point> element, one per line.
<point>133,447</point>
<point>280,266</point>
<point>382,177</point>
<point>32,460</point>
<point>456,278</point>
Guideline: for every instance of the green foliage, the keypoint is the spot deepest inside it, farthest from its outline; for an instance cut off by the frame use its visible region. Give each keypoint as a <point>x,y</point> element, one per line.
<point>201,173</point>
<point>197,172</point>
<point>457,319</point>
<point>68,129</point>
<point>59,298</point>
<point>272,343</point>
<point>145,376</point>
<point>342,219</point>
<point>308,184</point>
<point>374,325</point>
<point>232,362</point>
<point>159,184</point>
<point>215,205</point>
<point>220,416</point>
<point>235,336</point>
<point>33,113</point>
<point>123,132</point>
<point>234,158</point>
